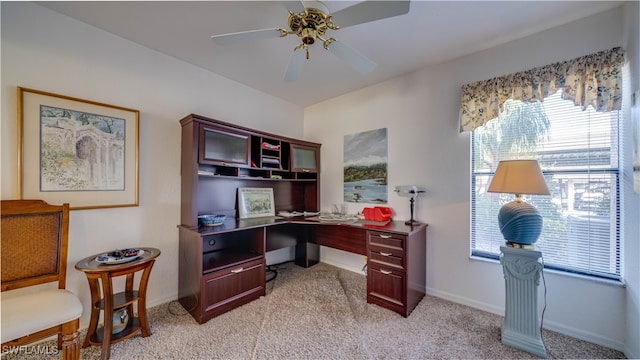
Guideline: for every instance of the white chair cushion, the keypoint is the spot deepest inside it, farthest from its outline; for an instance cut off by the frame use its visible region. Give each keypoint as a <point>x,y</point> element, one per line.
<point>26,314</point>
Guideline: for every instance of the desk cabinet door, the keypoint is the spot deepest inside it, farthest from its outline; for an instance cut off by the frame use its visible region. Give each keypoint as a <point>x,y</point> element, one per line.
<point>304,158</point>
<point>223,147</point>
<point>386,287</point>
<point>231,287</point>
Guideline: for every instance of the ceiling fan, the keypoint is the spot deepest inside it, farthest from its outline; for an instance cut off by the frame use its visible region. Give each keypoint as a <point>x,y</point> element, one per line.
<point>311,20</point>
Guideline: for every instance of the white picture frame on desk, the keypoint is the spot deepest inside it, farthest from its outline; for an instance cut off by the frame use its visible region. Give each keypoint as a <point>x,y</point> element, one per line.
<point>255,202</point>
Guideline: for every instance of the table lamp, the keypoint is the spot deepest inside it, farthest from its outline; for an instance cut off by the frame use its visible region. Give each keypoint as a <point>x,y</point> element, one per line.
<point>412,192</point>
<point>520,222</point>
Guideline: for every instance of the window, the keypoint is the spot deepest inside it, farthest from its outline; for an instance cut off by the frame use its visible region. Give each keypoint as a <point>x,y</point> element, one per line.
<point>578,152</point>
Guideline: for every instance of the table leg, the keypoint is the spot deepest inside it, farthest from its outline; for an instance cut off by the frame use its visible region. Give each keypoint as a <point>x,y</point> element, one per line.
<point>95,312</point>
<point>107,291</point>
<point>142,300</point>
<point>129,288</point>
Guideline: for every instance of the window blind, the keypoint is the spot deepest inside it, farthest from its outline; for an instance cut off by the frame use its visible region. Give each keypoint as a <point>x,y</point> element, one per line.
<point>578,152</point>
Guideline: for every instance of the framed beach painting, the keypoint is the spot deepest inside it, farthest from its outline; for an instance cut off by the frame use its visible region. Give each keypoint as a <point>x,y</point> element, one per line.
<point>77,151</point>
<point>255,202</point>
<point>365,167</point>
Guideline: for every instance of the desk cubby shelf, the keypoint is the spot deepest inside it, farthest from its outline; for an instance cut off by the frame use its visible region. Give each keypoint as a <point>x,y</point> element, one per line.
<point>256,173</point>
<point>219,157</point>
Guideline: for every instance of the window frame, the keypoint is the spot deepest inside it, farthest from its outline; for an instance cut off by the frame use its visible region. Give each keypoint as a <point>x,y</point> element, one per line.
<point>616,188</point>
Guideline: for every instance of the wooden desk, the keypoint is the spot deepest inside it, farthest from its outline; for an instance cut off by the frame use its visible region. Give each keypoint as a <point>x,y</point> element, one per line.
<point>223,267</point>
<point>97,274</point>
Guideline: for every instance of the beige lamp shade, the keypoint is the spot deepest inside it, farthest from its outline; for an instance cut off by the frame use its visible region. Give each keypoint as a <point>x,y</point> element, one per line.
<point>520,222</point>
<point>518,177</point>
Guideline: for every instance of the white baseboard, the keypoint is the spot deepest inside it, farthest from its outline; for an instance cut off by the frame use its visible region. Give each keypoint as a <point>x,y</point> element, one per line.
<point>630,355</point>
<point>167,298</point>
<point>584,335</point>
<point>466,301</point>
<point>344,266</point>
<point>549,325</point>
<point>280,255</point>
<point>342,259</point>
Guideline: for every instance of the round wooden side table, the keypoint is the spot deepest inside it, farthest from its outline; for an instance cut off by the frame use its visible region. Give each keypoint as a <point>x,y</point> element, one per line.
<point>102,274</point>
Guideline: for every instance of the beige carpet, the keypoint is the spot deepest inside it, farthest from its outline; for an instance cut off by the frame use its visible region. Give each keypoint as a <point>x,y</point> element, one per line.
<point>321,313</point>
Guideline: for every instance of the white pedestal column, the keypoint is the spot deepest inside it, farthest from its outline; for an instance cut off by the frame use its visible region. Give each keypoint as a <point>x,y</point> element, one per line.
<point>521,325</point>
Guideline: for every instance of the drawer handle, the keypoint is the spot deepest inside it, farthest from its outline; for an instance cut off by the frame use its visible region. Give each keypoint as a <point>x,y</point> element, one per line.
<point>386,272</point>
<point>385,254</point>
<point>237,270</point>
<point>385,236</point>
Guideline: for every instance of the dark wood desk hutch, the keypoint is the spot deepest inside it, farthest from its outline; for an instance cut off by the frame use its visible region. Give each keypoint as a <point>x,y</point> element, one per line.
<point>223,267</point>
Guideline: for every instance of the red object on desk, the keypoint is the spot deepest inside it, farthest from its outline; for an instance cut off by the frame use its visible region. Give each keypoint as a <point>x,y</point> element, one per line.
<point>377,213</point>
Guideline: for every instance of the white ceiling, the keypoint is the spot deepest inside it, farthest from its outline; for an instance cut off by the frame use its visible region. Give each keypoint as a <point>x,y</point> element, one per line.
<point>432,32</point>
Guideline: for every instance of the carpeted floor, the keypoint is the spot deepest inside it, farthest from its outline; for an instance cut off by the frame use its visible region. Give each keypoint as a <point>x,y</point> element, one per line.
<point>321,313</point>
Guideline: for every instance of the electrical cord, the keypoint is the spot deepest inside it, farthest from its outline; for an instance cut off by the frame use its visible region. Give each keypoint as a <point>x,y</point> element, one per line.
<point>544,308</point>
<point>273,269</point>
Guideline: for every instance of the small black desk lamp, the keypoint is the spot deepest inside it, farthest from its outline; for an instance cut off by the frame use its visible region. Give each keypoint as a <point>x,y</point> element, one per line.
<point>412,192</point>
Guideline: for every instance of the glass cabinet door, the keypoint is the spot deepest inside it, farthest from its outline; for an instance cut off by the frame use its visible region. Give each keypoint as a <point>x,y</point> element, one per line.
<point>223,147</point>
<point>304,158</point>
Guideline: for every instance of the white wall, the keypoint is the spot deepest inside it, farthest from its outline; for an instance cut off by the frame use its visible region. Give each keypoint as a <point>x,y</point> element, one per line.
<point>44,50</point>
<point>420,111</point>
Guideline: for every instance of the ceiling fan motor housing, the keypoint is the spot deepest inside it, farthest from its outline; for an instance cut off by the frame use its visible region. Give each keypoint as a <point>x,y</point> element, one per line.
<point>308,25</point>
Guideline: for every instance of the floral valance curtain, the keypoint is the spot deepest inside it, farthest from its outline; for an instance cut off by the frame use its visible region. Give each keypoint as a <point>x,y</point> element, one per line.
<point>594,80</point>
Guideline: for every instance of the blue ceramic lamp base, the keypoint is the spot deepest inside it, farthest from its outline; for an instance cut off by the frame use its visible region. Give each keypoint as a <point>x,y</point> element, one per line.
<point>520,222</point>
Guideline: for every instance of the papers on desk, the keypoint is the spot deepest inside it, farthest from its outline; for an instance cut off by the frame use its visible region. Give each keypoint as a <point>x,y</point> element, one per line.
<point>290,214</point>
<point>337,218</point>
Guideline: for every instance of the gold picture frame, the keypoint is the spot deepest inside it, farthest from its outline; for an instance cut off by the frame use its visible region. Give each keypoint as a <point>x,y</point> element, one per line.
<point>77,151</point>
<point>255,202</point>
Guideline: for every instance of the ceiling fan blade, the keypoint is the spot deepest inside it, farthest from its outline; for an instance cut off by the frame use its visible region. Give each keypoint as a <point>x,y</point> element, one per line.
<point>294,6</point>
<point>352,57</point>
<point>225,39</point>
<point>294,69</point>
<point>367,11</point>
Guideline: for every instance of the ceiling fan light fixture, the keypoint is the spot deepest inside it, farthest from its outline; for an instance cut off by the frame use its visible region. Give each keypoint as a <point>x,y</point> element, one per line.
<point>308,36</point>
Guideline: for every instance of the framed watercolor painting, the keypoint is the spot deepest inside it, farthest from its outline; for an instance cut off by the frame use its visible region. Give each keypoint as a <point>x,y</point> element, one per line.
<point>255,202</point>
<point>77,151</point>
<point>365,167</point>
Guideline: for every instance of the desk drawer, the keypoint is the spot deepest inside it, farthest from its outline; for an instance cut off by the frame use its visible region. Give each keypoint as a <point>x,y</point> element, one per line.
<point>386,286</point>
<point>233,286</point>
<point>388,240</point>
<point>386,256</point>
